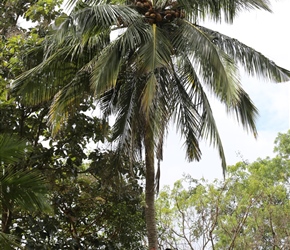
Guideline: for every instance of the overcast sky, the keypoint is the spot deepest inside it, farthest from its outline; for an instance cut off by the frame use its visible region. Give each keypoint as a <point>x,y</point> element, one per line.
<point>269,34</point>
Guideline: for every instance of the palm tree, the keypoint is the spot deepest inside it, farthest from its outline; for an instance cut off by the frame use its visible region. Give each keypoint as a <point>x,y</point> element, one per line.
<point>158,67</point>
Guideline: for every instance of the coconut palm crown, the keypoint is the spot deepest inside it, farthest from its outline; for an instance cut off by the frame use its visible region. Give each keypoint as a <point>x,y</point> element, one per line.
<point>149,63</point>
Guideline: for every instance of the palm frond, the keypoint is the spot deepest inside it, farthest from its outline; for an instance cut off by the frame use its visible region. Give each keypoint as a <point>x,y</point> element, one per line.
<point>68,32</point>
<point>246,112</point>
<point>108,64</point>
<point>149,94</point>
<point>47,74</point>
<point>68,43</point>
<point>12,149</point>
<point>207,128</point>
<point>222,9</point>
<point>106,69</point>
<point>104,15</point>
<point>155,52</point>
<point>72,3</point>
<point>186,115</point>
<point>255,63</point>
<point>9,242</point>
<point>67,100</point>
<point>133,36</point>
<point>217,70</point>
<point>122,128</point>
<point>26,188</point>
<point>163,107</point>
<point>123,101</point>
<point>153,55</point>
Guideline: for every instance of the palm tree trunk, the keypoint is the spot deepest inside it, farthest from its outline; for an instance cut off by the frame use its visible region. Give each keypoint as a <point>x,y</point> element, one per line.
<point>150,191</point>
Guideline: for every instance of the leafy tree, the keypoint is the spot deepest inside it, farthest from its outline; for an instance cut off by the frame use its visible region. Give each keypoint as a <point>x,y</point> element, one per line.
<point>187,215</point>
<point>89,191</point>
<point>249,210</point>
<point>157,69</point>
<point>89,199</point>
<point>22,187</point>
<point>97,203</point>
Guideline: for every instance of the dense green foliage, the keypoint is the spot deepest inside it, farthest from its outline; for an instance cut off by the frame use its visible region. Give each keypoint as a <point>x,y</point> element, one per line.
<point>249,210</point>
<point>86,196</point>
<point>148,63</point>
<point>95,197</point>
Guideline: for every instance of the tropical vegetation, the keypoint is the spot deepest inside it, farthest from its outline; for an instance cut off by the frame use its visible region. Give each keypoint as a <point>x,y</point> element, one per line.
<point>145,62</point>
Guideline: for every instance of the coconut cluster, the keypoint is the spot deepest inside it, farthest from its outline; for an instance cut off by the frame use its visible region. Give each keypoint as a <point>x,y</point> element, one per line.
<point>152,15</point>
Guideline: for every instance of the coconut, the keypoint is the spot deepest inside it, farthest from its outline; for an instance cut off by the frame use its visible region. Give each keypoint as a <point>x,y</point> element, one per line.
<point>150,21</point>
<point>167,12</point>
<point>146,5</point>
<point>158,17</point>
<point>139,4</point>
<point>168,17</point>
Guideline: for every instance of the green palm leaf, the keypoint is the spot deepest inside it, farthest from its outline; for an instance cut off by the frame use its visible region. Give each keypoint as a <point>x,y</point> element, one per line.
<point>9,242</point>
<point>68,99</point>
<point>105,15</point>
<point>103,79</point>
<point>25,188</point>
<point>152,55</point>
<point>222,9</point>
<point>11,149</point>
<point>47,74</point>
<point>246,112</point>
<point>251,60</point>
<point>207,128</point>
<point>217,70</point>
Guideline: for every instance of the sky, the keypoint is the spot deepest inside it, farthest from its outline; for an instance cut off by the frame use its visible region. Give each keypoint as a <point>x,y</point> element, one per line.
<point>267,33</point>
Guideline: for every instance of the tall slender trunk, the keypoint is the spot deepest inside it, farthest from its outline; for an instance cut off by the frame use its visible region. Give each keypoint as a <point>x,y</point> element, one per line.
<point>150,191</point>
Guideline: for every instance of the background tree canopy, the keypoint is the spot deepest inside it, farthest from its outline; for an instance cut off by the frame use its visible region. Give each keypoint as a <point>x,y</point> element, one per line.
<point>249,210</point>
